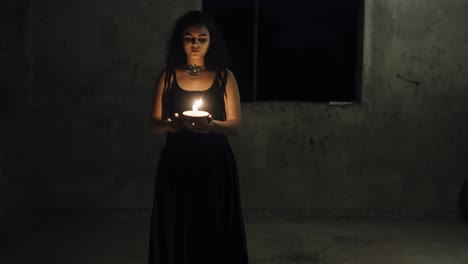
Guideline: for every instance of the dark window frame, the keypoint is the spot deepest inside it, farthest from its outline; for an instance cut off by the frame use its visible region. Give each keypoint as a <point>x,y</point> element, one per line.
<point>250,92</point>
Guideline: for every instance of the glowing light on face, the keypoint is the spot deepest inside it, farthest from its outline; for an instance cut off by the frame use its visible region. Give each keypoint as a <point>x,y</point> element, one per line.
<point>196,42</point>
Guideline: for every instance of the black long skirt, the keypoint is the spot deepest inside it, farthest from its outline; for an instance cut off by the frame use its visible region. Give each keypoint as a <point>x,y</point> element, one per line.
<point>197,216</point>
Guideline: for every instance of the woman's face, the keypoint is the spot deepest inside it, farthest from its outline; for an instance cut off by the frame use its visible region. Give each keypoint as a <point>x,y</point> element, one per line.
<point>196,43</point>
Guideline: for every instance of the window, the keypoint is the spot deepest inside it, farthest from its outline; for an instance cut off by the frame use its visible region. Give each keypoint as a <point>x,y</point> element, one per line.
<point>290,50</point>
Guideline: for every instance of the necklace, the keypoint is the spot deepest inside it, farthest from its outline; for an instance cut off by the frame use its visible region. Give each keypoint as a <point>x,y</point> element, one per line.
<point>194,70</point>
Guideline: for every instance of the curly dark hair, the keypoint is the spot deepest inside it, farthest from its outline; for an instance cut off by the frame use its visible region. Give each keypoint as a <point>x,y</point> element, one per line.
<point>217,56</point>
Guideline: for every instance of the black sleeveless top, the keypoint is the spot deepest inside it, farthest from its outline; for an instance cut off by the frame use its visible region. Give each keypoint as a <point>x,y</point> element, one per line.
<point>177,100</point>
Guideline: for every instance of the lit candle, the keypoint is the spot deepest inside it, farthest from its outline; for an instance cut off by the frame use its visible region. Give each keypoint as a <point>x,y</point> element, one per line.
<point>196,115</point>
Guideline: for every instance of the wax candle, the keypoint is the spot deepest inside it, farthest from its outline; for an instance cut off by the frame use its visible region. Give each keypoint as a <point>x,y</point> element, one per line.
<point>196,115</point>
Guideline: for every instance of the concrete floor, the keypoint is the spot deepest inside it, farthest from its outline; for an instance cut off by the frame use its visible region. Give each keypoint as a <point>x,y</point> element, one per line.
<point>270,242</point>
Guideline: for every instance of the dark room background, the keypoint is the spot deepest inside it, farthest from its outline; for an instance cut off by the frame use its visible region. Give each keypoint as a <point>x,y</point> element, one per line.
<point>77,85</point>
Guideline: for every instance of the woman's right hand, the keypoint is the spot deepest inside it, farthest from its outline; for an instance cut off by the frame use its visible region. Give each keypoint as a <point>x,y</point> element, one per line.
<point>174,123</point>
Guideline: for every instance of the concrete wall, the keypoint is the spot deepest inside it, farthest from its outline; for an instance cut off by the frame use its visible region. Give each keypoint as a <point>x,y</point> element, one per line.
<point>15,113</point>
<point>403,148</point>
<point>96,64</point>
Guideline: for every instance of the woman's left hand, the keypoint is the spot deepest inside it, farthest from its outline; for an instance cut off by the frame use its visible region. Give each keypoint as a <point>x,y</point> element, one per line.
<point>201,128</point>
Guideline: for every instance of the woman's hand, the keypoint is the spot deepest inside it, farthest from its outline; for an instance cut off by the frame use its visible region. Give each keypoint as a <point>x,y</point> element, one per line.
<point>175,123</point>
<point>200,127</point>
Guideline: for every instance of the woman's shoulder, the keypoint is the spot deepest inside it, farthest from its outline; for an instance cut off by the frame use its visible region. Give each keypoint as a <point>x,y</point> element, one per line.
<point>226,72</point>
<point>167,73</point>
<point>167,70</point>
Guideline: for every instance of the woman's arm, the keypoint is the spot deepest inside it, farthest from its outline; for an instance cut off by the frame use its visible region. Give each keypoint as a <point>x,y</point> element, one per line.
<point>158,125</point>
<point>233,123</point>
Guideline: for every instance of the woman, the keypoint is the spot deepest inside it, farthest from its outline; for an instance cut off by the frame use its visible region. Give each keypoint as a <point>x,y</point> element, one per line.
<point>197,215</point>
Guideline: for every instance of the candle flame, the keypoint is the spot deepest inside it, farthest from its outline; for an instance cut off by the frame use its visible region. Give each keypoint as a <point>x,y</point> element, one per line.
<point>197,104</point>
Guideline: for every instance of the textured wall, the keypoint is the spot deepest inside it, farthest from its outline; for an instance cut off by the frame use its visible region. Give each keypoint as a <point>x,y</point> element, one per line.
<point>96,64</point>
<point>15,113</point>
<point>403,148</point>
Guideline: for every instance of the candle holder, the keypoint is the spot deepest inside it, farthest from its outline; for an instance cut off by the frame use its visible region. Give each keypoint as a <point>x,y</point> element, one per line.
<point>198,117</point>
<point>195,115</point>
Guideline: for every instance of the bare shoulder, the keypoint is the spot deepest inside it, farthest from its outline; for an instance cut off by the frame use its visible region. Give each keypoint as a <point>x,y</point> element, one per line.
<point>232,88</point>
<point>163,75</point>
<point>229,73</point>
